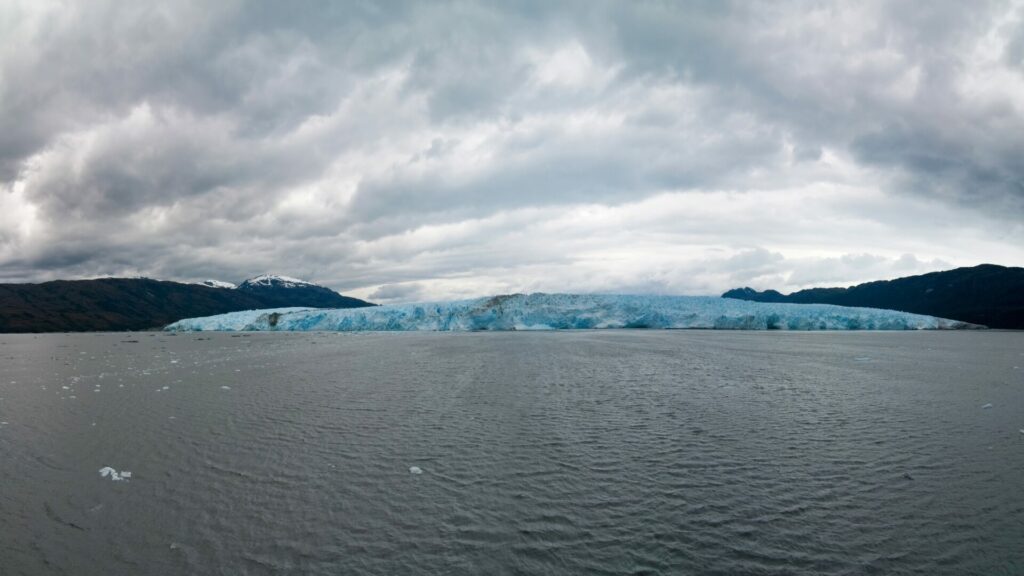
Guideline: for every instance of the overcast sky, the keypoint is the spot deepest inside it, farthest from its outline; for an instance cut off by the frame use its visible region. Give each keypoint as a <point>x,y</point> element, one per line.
<point>409,150</point>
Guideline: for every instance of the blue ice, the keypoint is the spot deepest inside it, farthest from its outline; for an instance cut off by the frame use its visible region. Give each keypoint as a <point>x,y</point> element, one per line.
<point>571,311</point>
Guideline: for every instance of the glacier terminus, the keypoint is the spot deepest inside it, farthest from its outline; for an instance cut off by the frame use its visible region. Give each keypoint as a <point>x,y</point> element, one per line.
<point>541,311</point>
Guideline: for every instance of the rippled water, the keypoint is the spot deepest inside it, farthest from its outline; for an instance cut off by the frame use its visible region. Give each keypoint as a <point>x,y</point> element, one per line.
<point>618,452</point>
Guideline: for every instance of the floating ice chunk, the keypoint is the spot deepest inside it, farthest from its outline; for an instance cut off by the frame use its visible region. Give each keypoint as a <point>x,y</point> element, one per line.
<point>415,470</point>
<point>986,406</point>
<point>114,475</point>
<point>225,387</point>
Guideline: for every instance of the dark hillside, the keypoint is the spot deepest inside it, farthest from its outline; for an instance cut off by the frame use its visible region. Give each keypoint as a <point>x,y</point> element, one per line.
<point>987,294</point>
<point>112,304</point>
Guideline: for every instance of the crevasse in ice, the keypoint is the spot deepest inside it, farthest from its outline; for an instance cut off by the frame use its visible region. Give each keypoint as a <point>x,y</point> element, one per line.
<point>572,311</point>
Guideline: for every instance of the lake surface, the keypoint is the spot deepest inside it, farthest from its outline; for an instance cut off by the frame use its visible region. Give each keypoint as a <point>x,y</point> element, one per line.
<point>592,452</point>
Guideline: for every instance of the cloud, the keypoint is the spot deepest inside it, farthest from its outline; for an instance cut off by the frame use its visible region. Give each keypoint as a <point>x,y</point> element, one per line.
<point>409,292</point>
<point>841,269</point>
<point>410,150</point>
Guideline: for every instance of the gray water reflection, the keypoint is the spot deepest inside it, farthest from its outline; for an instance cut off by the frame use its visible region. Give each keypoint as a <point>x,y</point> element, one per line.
<point>625,452</point>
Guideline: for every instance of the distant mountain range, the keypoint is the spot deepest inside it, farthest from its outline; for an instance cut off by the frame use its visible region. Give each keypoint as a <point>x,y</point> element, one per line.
<point>283,291</point>
<point>988,294</point>
<point>112,304</point>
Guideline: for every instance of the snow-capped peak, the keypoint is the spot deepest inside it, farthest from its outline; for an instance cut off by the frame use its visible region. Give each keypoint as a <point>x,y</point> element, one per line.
<point>276,280</point>
<point>215,284</point>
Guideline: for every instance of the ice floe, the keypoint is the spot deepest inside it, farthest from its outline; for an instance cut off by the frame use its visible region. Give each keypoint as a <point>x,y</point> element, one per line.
<point>114,475</point>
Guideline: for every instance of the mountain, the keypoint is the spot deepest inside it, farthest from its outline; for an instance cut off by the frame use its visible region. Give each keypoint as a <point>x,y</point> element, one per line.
<point>110,304</point>
<point>988,294</point>
<point>283,292</point>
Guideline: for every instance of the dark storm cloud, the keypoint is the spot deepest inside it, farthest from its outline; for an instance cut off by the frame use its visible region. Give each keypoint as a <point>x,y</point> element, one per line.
<point>399,148</point>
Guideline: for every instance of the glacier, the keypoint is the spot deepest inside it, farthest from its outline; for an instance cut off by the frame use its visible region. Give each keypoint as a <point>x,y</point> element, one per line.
<point>572,311</point>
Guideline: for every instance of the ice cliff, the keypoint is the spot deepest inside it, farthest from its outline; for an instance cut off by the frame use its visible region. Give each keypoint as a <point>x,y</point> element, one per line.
<point>573,311</point>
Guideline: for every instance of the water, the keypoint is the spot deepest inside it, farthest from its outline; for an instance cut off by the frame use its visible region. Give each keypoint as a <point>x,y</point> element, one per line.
<point>616,452</point>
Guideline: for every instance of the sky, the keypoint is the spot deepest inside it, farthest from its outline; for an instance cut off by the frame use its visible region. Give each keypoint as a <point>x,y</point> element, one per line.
<point>402,151</point>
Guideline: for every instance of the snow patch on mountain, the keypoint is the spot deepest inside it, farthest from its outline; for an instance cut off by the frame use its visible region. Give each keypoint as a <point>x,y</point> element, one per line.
<point>276,280</point>
<point>216,284</point>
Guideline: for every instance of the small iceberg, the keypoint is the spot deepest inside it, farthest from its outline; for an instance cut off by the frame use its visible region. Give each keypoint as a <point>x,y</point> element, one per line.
<point>415,470</point>
<point>986,406</point>
<point>114,475</point>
